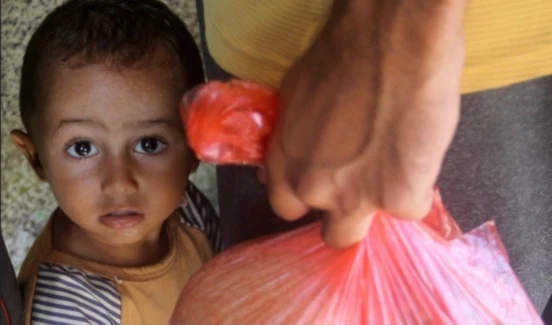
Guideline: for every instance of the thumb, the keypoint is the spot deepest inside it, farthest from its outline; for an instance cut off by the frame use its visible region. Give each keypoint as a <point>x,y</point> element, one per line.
<point>344,231</point>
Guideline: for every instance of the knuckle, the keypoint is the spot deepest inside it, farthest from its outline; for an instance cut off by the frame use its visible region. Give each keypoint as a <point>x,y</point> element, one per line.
<point>285,204</point>
<point>316,191</point>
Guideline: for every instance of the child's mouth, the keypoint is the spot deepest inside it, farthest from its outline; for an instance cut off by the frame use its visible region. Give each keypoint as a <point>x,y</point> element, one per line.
<point>121,219</point>
<point>122,213</point>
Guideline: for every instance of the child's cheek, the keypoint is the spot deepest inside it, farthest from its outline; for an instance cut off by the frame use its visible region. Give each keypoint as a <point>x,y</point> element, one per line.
<point>167,175</point>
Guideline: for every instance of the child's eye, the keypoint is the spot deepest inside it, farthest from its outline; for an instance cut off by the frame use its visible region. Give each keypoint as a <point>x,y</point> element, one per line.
<point>82,149</point>
<point>150,146</point>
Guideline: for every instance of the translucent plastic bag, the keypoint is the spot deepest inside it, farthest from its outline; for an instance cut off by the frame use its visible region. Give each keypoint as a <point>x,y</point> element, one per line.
<point>403,272</point>
<point>229,122</point>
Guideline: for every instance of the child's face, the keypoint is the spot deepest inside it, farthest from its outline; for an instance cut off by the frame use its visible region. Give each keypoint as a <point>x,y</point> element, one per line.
<point>113,149</point>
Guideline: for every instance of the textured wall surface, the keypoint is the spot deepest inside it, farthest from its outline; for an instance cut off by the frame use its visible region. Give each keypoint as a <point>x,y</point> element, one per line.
<point>26,202</point>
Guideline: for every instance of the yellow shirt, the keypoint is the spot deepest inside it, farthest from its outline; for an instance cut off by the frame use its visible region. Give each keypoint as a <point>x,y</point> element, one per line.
<point>507,41</point>
<point>58,286</point>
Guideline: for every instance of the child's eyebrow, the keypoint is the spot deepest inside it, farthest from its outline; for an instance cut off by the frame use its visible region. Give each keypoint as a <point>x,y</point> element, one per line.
<point>65,122</point>
<point>131,125</point>
<point>152,122</point>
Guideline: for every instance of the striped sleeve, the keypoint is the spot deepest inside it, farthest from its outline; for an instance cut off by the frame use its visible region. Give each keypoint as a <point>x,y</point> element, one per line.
<point>68,296</point>
<point>198,212</point>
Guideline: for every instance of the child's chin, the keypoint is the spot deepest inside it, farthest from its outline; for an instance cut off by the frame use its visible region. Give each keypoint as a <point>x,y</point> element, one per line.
<point>125,240</point>
<point>134,235</point>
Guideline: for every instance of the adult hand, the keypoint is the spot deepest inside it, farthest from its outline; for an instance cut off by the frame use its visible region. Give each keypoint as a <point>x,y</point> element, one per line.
<point>367,115</point>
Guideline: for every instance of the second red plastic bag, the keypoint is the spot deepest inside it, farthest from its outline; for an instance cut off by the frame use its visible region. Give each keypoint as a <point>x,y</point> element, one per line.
<point>403,272</point>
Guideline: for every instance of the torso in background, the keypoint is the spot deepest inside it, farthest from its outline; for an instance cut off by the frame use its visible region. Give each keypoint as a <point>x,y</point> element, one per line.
<point>507,41</point>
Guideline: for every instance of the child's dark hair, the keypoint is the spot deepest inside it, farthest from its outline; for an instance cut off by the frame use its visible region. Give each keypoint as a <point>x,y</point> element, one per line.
<point>119,32</point>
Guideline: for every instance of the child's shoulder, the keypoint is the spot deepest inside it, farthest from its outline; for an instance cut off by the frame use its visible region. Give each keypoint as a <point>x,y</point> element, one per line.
<point>197,212</point>
<point>40,250</point>
<point>54,292</point>
<point>63,292</point>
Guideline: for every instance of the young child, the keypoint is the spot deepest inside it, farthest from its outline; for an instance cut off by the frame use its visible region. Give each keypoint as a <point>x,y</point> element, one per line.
<point>100,89</point>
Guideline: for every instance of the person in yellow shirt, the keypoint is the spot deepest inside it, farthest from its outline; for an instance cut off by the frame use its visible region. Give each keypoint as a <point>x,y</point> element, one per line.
<point>381,100</point>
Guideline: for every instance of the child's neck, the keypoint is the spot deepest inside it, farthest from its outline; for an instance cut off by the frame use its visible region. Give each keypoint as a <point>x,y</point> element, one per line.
<point>78,243</point>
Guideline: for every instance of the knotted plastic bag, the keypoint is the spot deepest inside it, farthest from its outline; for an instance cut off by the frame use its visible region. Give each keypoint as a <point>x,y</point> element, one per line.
<point>229,122</point>
<point>403,272</point>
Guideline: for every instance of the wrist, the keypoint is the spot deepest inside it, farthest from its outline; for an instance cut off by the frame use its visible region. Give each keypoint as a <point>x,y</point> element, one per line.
<point>353,15</point>
<point>360,15</point>
<point>350,29</point>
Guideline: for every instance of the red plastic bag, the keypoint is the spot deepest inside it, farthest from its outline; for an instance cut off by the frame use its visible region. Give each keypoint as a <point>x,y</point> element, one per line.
<point>229,122</point>
<point>403,272</point>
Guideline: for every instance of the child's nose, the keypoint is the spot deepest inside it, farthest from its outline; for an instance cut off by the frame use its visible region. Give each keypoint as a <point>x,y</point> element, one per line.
<point>118,177</point>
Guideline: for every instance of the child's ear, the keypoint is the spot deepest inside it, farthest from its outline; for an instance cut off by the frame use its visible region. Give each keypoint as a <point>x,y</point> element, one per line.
<point>24,144</point>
